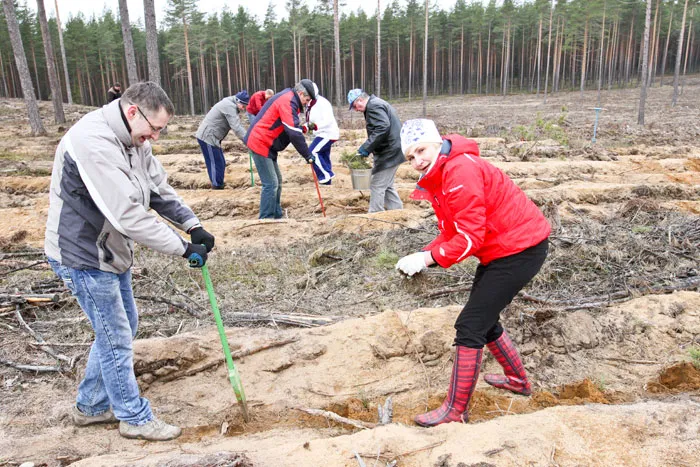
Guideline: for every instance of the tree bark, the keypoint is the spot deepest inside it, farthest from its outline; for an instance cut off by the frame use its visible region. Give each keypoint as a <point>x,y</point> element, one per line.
<point>149,14</point>
<point>600,53</point>
<point>584,56</point>
<point>336,39</point>
<point>69,94</point>
<point>56,94</point>
<point>425,62</point>
<point>677,69</point>
<point>378,70</point>
<point>189,65</point>
<point>549,47</point>
<point>23,68</point>
<point>645,64</point>
<point>128,43</point>
<point>668,40</point>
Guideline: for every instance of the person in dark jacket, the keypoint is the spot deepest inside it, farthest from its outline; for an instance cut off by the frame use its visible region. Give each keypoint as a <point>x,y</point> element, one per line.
<point>383,127</point>
<point>222,118</point>
<point>114,93</point>
<point>277,125</point>
<point>480,213</point>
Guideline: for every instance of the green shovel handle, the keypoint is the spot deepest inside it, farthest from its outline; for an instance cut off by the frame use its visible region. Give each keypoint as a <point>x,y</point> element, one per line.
<point>233,375</point>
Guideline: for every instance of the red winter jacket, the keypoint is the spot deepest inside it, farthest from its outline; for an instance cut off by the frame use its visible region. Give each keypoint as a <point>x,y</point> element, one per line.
<point>276,125</point>
<point>480,211</point>
<point>257,100</point>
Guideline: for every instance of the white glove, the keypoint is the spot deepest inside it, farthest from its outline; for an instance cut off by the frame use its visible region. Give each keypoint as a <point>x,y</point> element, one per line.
<point>412,264</point>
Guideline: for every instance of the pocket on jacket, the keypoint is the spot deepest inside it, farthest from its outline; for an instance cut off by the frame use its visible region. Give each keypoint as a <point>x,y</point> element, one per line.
<point>107,255</point>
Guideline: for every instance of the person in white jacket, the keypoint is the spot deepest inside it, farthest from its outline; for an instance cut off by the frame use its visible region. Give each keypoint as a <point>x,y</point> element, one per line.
<point>320,120</point>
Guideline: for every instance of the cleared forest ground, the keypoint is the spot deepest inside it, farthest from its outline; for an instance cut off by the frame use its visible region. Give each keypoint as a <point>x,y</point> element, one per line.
<point>319,319</point>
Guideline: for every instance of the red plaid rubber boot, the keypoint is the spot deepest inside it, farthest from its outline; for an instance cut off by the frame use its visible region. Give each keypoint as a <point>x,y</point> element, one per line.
<point>465,372</point>
<point>506,354</point>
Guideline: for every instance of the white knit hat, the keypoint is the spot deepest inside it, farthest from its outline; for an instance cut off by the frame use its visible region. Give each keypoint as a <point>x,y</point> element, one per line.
<point>419,130</point>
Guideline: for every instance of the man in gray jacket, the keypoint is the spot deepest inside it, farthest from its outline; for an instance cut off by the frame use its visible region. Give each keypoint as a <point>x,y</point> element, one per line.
<point>384,141</point>
<point>103,184</point>
<point>221,119</point>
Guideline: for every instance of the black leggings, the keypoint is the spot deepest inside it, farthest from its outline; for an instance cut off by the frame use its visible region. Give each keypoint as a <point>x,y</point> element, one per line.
<point>494,287</point>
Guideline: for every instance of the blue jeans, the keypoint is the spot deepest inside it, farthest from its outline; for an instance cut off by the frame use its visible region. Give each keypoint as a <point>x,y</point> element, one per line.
<point>108,301</point>
<point>216,162</point>
<point>271,179</point>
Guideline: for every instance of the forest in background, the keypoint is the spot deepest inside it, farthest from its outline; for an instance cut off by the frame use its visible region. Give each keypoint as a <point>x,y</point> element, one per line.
<point>489,48</point>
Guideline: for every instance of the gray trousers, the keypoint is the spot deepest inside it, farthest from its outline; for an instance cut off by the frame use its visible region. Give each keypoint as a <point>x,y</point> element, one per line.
<point>382,194</point>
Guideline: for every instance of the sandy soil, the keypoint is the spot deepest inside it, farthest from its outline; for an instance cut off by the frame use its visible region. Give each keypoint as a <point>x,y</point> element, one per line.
<point>614,383</point>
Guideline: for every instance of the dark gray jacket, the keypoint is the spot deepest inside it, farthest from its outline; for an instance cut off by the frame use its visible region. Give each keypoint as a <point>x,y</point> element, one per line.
<point>221,119</point>
<point>383,134</point>
<point>102,190</point>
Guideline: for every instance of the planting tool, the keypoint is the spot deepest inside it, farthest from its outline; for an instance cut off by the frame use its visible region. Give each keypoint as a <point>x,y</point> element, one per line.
<point>233,376</point>
<point>250,160</point>
<point>313,172</point>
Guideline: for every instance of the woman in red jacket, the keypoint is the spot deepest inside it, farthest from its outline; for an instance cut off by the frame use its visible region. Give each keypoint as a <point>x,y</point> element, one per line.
<point>481,213</point>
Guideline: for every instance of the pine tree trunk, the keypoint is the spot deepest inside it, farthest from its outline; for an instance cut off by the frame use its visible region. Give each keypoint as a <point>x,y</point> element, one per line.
<point>645,64</point>
<point>219,82</point>
<point>23,68</point>
<point>378,71</point>
<point>56,94</point>
<point>128,43</point>
<point>688,49</point>
<point>89,81</point>
<point>628,65</point>
<point>203,79</point>
<point>679,53</point>
<point>189,64</point>
<point>539,56</point>
<point>488,59</point>
<point>668,40</point>
<point>36,71</point>
<point>3,78</point>
<point>461,61</point>
<point>425,62</point>
<point>69,94</point>
<point>410,62</point>
<point>336,40</point>
<point>600,58</point>
<point>652,52</point>
<point>152,55</point>
<point>584,57</point>
<point>549,47</point>
<point>228,70</point>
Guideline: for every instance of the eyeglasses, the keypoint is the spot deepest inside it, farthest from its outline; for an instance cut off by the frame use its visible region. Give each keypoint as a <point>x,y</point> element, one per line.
<point>154,129</point>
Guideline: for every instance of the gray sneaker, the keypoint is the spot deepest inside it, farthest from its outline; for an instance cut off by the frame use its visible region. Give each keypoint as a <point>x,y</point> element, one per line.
<point>155,430</point>
<point>80,419</point>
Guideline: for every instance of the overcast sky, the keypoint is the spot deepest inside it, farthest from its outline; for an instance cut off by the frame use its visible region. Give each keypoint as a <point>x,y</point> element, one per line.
<point>258,8</point>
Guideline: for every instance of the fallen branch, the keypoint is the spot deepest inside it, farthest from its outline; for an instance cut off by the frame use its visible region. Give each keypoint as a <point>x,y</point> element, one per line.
<point>21,254</point>
<point>23,268</point>
<point>32,368</point>
<point>637,362</point>
<point>337,418</point>
<point>391,457</point>
<point>167,301</point>
<point>597,301</point>
<point>235,355</point>
<point>33,299</point>
<point>448,290</point>
<point>42,343</point>
<point>293,320</point>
